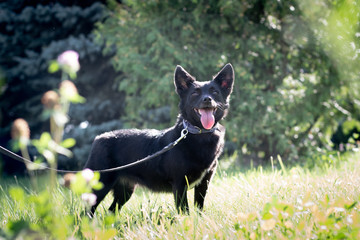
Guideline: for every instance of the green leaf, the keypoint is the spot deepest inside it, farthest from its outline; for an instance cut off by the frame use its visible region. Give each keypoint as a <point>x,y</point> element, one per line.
<point>96,176</point>
<point>53,67</point>
<point>351,206</point>
<point>79,185</point>
<point>97,186</point>
<point>68,143</point>
<point>77,99</point>
<point>237,226</point>
<point>107,234</point>
<point>340,235</point>
<point>16,226</point>
<point>267,216</point>
<point>45,138</point>
<point>349,125</point>
<point>109,220</point>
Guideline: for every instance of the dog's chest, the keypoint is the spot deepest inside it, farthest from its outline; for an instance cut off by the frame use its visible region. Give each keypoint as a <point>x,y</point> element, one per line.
<point>201,158</point>
<point>194,181</point>
<point>195,174</point>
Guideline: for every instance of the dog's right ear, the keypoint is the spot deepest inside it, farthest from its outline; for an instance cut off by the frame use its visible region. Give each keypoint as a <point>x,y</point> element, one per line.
<point>182,79</point>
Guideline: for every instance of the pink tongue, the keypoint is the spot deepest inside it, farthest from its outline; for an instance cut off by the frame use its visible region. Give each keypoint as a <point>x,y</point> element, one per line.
<point>207,118</point>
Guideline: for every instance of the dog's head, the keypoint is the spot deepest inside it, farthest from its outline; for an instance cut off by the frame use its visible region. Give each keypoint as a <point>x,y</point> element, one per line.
<point>203,104</point>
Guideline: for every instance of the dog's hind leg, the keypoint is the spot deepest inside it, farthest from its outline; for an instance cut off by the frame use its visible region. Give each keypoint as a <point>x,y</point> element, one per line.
<point>122,193</point>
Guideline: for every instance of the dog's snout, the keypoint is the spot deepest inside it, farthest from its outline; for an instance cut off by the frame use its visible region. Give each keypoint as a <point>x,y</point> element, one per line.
<point>207,99</point>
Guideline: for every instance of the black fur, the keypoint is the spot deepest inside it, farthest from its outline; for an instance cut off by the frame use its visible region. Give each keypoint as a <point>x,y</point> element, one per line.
<point>190,163</point>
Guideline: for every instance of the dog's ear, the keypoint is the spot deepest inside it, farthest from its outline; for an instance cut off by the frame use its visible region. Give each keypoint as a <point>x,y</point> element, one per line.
<point>182,79</point>
<point>225,79</point>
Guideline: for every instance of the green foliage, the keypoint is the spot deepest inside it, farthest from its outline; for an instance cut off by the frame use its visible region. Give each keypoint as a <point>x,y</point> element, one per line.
<point>49,148</point>
<point>283,220</point>
<point>349,125</point>
<point>34,33</point>
<point>277,203</point>
<point>79,184</point>
<point>53,67</point>
<point>41,215</point>
<point>295,72</point>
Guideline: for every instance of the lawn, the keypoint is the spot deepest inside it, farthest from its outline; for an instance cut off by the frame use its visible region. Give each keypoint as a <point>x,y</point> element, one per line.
<point>275,203</point>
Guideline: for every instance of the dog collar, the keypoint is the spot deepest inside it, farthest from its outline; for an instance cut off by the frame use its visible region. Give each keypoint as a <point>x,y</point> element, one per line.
<point>196,130</point>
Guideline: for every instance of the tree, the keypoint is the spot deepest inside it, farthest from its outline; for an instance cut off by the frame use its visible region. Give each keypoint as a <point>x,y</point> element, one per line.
<point>290,90</point>
<point>32,34</point>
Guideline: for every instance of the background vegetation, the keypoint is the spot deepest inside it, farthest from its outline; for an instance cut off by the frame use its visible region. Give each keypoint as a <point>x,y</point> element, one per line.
<point>32,34</point>
<point>295,61</point>
<point>295,102</point>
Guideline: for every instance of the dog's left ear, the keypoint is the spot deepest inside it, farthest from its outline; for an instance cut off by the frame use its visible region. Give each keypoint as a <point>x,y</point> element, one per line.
<point>225,79</point>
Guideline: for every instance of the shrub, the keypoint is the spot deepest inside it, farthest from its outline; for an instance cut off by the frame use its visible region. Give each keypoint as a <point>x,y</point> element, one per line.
<point>293,85</point>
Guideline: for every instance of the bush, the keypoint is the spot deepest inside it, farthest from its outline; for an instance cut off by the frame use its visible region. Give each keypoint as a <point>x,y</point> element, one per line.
<point>291,87</point>
<point>34,33</point>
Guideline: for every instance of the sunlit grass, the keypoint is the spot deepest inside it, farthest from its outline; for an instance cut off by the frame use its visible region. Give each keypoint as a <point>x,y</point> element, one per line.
<point>253,204</point>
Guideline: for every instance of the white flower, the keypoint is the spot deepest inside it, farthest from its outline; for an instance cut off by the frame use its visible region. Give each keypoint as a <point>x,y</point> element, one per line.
<point>89,198</point>
<point>69,61</point>
<point>87,174</point>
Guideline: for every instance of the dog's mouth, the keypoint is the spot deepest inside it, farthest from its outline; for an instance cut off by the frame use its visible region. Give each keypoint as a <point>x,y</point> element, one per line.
<point>207,117</point>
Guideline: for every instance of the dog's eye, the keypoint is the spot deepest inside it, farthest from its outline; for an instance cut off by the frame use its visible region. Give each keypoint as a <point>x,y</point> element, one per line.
<point>215,92</point>
<point>196,92</point>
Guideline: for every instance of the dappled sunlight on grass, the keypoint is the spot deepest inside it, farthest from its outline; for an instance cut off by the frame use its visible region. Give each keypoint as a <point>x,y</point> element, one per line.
<point>258,203</point>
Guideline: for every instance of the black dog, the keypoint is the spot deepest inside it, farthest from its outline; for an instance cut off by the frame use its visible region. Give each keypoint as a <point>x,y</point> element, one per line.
<point>191,163</point>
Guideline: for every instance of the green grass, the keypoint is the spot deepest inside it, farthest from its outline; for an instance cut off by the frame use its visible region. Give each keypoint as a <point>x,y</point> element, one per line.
<point>275,203</point>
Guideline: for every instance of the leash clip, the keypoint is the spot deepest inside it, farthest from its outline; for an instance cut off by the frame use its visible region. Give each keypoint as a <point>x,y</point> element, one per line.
<point>184,132</point>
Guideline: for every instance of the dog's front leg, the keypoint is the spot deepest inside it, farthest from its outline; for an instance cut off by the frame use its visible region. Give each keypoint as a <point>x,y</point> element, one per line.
<point>180,195</point>
<point>201,189</point>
